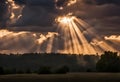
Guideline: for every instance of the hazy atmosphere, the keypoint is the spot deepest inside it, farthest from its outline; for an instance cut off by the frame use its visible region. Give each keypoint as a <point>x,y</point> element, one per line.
<point>59,26</point>
<point>60,40</point>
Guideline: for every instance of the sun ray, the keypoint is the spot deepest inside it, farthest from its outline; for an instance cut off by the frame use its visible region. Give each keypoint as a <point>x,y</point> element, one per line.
<point>69,38</point>
<point>78,44</point>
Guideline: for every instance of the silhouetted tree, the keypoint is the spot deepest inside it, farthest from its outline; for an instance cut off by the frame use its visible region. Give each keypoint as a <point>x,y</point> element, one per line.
<point>44,70</point>
<point>1,71</point>
<point>28,71</point>
<point>20,72</point>
<point>89,70</point>
<point>13,71</point>
<point>10,71</point>
<point>62,70</point>
<point>76,63</point>
<point>109,62</point>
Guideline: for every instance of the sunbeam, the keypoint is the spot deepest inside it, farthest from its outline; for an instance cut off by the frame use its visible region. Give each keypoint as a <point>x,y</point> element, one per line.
<point>69,38</point>
<point>75,40</point>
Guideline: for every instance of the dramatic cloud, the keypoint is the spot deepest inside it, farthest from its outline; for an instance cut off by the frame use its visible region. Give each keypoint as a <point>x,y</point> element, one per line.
<point>4,13</point>
<point>115,40</point>
<point>113,37</point>
<point>38,16</point>
<point>103,15</point>
<point>117,2</point>
<point>26,42</point>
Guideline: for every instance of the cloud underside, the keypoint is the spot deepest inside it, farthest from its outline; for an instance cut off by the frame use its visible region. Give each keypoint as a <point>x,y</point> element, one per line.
<point>38,18</point>
<point>103,15</point>
<point>51,42</point>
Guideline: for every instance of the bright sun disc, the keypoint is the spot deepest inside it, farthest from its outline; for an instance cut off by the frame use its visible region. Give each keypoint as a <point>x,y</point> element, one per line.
<point>64,19</point>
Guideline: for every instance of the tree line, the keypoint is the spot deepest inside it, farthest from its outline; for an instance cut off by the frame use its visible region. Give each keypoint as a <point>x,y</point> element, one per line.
<point>59,63</point>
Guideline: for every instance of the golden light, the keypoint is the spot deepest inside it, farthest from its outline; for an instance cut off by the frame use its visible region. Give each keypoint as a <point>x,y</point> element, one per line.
<point>68,39</point>
<point>14,6</point>
<point>112,37</point>
<point>65,19</point>
<point>69,33</point>
<point>12,15</point>
<point>15,10</point>
<point>75,42</point>
<point>71,2</point>
<point>66,3</point>
<point>4,33</point>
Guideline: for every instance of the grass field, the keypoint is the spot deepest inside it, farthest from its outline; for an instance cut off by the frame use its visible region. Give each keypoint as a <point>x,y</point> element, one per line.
<point>74,77</point>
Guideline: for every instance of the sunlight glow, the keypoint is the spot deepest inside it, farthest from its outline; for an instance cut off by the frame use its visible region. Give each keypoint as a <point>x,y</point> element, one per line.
<point>73,36</point>
<point>75,42</point>
<point>65,19</point>
<point>15,10</point>
<point>66,3</point>
<point>112,37</point>
<point>71,2</point>
<point>14,6</point>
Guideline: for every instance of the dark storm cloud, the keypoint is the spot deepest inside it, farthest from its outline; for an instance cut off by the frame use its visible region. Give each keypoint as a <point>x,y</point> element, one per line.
<point>44,3</point>
<point>4,13</point>
<point>106,18</point>
<point>39,15</point>
<point>101,2</point>
<point>62,3</point>
<point>36,13</point>
<point>20,2</point>
<point>108,2</point>
<point>39,12</point>
<point>103,17</point>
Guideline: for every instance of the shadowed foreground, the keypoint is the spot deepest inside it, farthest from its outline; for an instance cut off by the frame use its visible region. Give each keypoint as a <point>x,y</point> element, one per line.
<point>81,77</point>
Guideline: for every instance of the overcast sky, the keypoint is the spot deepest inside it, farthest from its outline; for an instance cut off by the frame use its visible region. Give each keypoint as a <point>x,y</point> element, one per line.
<point>39,15</point>
<point>103,15</point>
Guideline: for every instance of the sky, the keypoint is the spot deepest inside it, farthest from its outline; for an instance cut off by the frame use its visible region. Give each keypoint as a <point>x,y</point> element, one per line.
<point>37,17</point>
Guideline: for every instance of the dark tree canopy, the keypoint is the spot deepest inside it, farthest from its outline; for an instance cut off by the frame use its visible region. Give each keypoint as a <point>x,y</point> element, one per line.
<point>109,62</point>
<point>1,70</point>
<point>62,70</point>
<point>44,70</point>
